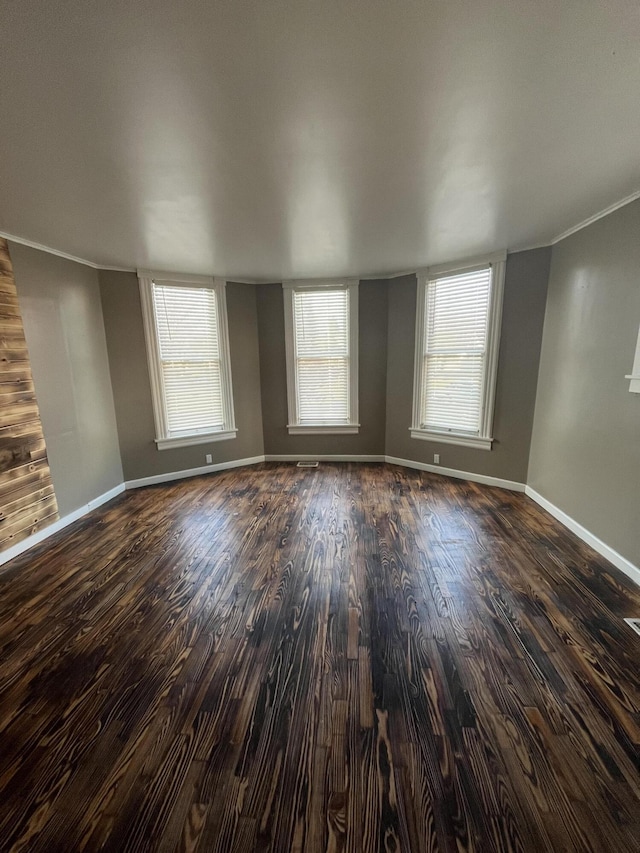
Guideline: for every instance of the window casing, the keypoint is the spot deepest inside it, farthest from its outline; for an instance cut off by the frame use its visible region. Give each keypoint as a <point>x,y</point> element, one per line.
<point>321,337</point>
<point>186,332</point>
<point>458,317</point>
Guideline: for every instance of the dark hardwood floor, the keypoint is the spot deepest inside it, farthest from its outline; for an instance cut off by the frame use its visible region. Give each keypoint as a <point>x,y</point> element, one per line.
<point>354,658</point>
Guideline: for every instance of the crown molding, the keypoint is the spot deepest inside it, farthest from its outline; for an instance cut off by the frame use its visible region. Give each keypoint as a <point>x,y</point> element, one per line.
<point>23,241</point>
<point>42,248</point>
<point>600,215</point>
<point>108,268</point>
<point>517,249</point>
<point>65,255</point>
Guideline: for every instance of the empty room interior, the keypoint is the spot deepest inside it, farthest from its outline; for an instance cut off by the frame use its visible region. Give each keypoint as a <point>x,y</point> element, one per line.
<point>320,426</point>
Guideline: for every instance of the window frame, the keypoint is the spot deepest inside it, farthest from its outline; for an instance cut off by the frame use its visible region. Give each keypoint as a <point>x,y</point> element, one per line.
<point>163,440</point>
<point>484,439</point>
<point>294,426</point>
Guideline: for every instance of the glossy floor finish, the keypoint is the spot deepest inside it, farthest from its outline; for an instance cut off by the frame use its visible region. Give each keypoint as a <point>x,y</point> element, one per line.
<point>353,658</point>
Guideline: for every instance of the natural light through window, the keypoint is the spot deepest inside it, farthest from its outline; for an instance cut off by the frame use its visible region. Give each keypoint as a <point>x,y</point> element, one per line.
<point>321,340</point>
<point>187,344</point>
<point>457,336</point>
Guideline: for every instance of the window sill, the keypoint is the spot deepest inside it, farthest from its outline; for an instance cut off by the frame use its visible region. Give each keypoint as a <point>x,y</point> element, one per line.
<point>189,440</point>
<point>323,429</point>
<point>452,438</point>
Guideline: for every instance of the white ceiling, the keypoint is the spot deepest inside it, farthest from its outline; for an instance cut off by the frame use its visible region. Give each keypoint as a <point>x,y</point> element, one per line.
<point>289,138</point>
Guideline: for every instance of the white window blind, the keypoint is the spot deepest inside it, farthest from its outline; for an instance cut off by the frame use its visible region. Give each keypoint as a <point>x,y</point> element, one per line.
<point>456,324</point>
<point>187,337</point>
<point>187,327</point>
<point>321,332</point>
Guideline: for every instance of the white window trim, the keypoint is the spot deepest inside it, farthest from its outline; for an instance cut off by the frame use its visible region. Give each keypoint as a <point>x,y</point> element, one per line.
<point>293,426</point>
<point>484,440</point>
<point>163,440</point>
<point>634,376</point>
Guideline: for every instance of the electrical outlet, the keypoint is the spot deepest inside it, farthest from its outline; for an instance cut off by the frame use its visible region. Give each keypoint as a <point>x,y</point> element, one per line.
<point>208,459</point>
<point>436,458</point>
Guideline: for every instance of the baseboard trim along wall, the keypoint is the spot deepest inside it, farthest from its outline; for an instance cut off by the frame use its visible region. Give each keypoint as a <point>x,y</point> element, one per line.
<point>60,524</point>
<point>323,457</point>
<point>240,463</point>
<point>485,479</point>
<point>192,472</point>
<point>598,545</point>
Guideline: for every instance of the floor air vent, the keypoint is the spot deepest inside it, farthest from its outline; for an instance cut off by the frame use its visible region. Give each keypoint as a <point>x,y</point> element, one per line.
<point>634,623</point>
<point>308,464</point>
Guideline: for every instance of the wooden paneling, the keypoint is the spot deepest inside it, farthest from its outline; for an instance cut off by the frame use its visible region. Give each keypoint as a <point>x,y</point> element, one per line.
<point>357,658</point>
<point>27,500</point>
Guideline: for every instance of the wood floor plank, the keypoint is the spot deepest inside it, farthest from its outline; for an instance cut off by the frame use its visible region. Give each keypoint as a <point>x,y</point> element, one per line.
<point>356,658</point>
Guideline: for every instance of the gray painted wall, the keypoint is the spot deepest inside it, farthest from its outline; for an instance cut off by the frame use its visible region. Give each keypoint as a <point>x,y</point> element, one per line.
<point>372,369</point>
<point>582,449</point>
<point>522,322</point>
<point>386,350</point>
<point>132,393</point>
<point>62,314</point>
<point>585,452</point>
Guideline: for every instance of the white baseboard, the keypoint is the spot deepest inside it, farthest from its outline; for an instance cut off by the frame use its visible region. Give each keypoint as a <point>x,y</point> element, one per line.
<point>102,499</point>
<point>60,524</point>
<point>598,545</point>
<point>192,472</point>
<point>322,457</point>
<point>485,479</point>
<point>326,457</point>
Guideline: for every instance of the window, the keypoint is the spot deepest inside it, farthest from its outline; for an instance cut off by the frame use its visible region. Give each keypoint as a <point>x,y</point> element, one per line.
<point>321,333</point>
<point>457,338</point>
<point>185,322</point>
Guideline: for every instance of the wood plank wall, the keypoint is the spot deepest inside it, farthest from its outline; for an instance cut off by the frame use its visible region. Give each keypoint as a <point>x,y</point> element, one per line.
<point>27,499</point>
